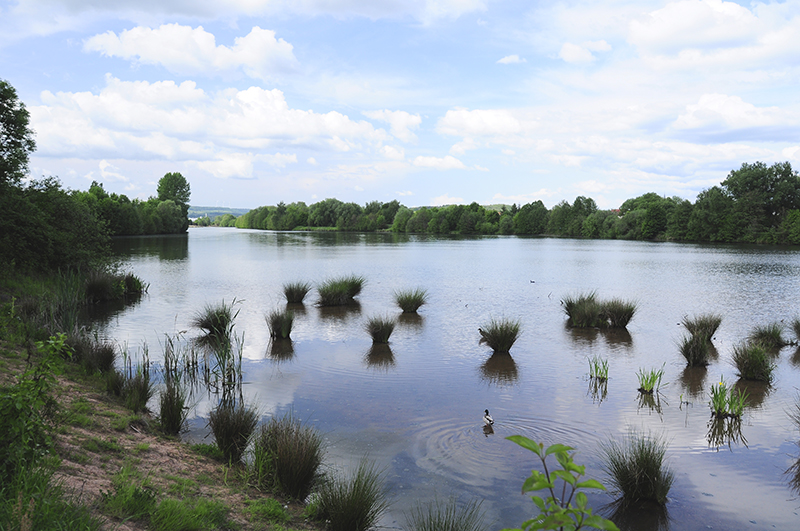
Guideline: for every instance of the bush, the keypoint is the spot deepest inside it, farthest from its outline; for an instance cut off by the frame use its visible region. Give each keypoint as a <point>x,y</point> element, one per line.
<point>752,362</point>
<point>380,328</point>
<point>500,335</point>
<point>353,503</point>
<point>410,300</point>
<point>232,425</point>
<point>636,468</point>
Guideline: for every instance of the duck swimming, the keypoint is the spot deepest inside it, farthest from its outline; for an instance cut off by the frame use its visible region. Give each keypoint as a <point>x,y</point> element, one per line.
<point>487,418</point>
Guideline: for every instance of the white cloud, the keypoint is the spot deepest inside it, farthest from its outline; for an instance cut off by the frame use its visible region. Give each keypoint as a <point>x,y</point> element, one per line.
<point>510,60</point>
<point>444,163</point>
<point>405,193</point>
<point>229,165</point>
<point>187,50</point>
<point>574,53</point>
<point>462,122</point>
<point>446,200</point>
<point>401,123</point>
<point>312,161</point>
<point>393,152</point>
<point>459,148</point>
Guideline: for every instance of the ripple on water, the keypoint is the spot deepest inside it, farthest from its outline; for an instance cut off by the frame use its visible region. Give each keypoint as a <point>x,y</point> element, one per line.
<point>463,451</point>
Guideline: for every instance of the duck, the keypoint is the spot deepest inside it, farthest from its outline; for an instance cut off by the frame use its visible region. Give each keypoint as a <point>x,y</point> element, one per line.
<point>487,418</point>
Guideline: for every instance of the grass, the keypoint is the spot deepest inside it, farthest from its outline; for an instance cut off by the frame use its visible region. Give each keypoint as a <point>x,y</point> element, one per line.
<point>598,368</point>
<point>216,322</point>
<point>725,402</point>
<point>355,502</point>
<point>500,335</point>
<point>796,329</point>
<point>770,336</point>
<point>267,510</point>
<point>280,323</point>
<point>702,326</point>
<point>449,516</point>
<point>295,292</point>
<point>753,362</point>
<point>172,407</point>
<point>340,291</point>
<point>586,311</point>
<point>380,328</point>
<point>287,455</point>
<point>138,389</point>
<point>636,468</point>
<point>695,349</point>
<point>192,514</point>
<point>650,381</point>
<point>410,300</point>
<point>232,425</point>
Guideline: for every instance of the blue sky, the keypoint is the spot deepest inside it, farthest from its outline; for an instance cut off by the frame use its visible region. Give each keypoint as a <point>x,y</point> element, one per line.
<point>426,101</point>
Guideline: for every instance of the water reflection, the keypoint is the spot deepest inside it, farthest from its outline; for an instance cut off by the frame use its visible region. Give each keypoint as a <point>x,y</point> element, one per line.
<point>340,313</point>
<point>598,390</point>
<point>500,369</point>
<point>637,516</point>
<point>651,402</point>
<point>615,338</point>
<point>380,356</point>
<point>725,431</point>
<point>165,247</point>
<point>298,308</point>
<point>693,381</point>
<point>488,430</point>
<point>281,350</point>
<point>411,320</point>
<point>756,391</point>
<point>796,357</point>
<point>103,312</point>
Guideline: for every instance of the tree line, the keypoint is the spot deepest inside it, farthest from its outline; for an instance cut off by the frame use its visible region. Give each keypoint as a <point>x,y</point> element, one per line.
<point>754,204</point>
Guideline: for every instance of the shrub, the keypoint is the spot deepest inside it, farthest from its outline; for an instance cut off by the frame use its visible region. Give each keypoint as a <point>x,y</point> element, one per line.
<point>232,425</point>
<point>769,336</point>
<point>752,362</point>
<point>280,324</point>
<point>340,291</point>
<point>353,503</point>
<point>380,328</point>
<point>449,516</point>
<point>295,292</point>
<point>500,335</point>
<point>695,349</point>
<point>287,455</point>
<point>410,300</point>
<point>636,468</point>
<point>702,326</point>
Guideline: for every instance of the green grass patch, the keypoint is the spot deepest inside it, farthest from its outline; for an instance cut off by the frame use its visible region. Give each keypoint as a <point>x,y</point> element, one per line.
<point>267,510</point>
<point>295,292</point>
<point>586,311</point>
<point>769,336</point>
<point>650,380</point>
<point>354,502</point>
<point>726,402</point>
<point>210,450</point>
<point>410,300</point>
<point>696,350</point>
<point>598,368</point>
<point>280,323</point>
<point>340,291</point>
<point>445,516</point>
<point>193,514</point>
<point>752,362</point>
<point>380,328</point>
<point>500,334</point>
<point>637,469</point>
<point>172,407</point>
<point>232,425</point>
<point>702,326</point>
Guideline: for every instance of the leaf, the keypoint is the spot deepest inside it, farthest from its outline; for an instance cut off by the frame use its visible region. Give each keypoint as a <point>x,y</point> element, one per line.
<point>566,476</point>
<point>557,448</point>
<point>536,483</point>
<point>590,484</point>
<point>529,444</point>
<point>581,500</point>
<point>598,522</point>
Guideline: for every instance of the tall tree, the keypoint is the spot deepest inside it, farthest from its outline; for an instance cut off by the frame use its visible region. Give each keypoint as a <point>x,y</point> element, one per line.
<point>16,138</point>
<point>174,187</point>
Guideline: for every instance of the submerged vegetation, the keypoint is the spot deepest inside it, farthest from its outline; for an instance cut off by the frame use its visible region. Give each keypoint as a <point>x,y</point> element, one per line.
<point>500,334</point>
<point>637,469</point>
<point>586,311</point>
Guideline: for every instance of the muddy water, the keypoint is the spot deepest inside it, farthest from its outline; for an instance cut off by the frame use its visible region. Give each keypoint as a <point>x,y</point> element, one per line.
<point>416,407</point>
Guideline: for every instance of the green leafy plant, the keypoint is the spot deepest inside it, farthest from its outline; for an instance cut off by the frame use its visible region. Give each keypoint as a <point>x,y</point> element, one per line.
<point>650,381</point>
<point>726,402</point>
<point>598,368</point>
<point>566,508</point>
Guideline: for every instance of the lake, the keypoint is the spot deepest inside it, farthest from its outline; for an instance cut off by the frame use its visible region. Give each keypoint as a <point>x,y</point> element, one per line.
<point>416,409</point>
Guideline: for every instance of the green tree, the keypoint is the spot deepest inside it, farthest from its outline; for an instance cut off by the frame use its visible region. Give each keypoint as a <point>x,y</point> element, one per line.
<point>16,138</point>
<point>174,187</point>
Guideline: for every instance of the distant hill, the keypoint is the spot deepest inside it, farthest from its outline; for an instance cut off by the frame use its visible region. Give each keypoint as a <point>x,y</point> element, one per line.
<point>213,212</point>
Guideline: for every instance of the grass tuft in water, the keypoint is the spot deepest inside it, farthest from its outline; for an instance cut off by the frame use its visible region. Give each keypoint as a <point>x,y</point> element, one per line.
<point>769,336</point>
<point>696,349</point>
<point>650,381</point>
<point>753,362</point>
<point>636,467</point>
<point>280,323</point>
<point>703,326</point>
<point>172,407</point>
<point>295,292</point>
<point>446,516</point>
<point>598,368</point>
<point>287,456</point>
<point>340,291</point>
<point>216,322</point>
<point>726,402</point>
<point>355,502</point>
<point>232,426</point>
<point>380,328</point>
<point>617,313</point>
<point>500,335</point>
<point>410,300</point>
<point>586,311</point>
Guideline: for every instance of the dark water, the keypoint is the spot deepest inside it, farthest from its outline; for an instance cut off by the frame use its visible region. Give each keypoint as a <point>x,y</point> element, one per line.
<point>416,408</point>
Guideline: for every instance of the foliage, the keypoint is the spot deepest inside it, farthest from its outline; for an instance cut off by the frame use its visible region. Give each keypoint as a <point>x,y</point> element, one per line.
<point>753,362</point>
<point>566,508</point>
<point>267,509</point>
<point>702,326</point>
<point>16,137</point>
<point>636,467</point>
<point>500,334</point>
<point>340,291</point>
<point>650,381</point>
<point>695,349</point>
<point>355,502</point>
<point>190,514</point>
<point>280,323</point>
<point>295,292</point>
<point>410,300</point>
<point>449,516</point>
<point>769,336</point>
<point>598,368</point>
<point>172,407</point>
<point>726,402</point>
<point>380,328</point>
<point>232,425</point>
<point>216,321</point>
<point>586,311</point>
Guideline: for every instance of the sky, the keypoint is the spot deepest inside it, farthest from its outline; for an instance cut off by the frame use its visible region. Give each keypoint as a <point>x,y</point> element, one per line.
<point>429,102</point>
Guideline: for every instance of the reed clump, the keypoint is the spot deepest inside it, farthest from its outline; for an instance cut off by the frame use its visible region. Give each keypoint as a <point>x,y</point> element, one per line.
<point>411,300</point>
<point>770,336</point>
<point>650,380</point>
<point>703,327</point>
<point>355,502</point>
<point>753,362</point>
<point>216,321</point>
<point>598,368</point>
<point>172,407</point>
<point>340,291</point>
<point>500,334</point>
<point>138,389</point>
<point>637,469</point>
<point>280,323</point>
<point>696,350</point>
<point>446,516</point>
<point>380,328</point>
<point>587,311</point>
<point>232,425</point>
<point>287,455</point>
<point>726,402</point>
<point>295,292</point>
<point>796,329</point>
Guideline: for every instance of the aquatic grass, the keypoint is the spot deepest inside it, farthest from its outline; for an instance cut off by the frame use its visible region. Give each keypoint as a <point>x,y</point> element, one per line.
<point>138,388</point>
<point>445,516</point>
<point>587,311</point>
<point>232,426</point>
<point>617,313</point>
<point>354,502</point>
<point>752,362</point>
<point>280,323</point>
<point>500,334</point>
<point>216,321</point>
<point>702,326</point>
<point>172,407</point>
<point>695,349</point>
<point>650,380</point>
<point>287,455</point>
<point>726,402</point>
<point>637,469</point>
<point>796,329</point>
<point>340,291</point>
<point>770,336</point>
<point>380,328</point>
<point>410,300</point>
<point>295,292</point>
<point>598,368</point>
